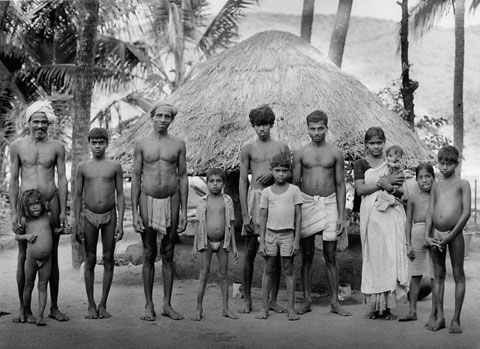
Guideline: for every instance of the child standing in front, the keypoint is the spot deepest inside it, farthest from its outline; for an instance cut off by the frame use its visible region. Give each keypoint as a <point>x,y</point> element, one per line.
<point>448,212</point>
<point>420,259</point>
<point>214,233</point>
<point>38,235</point>
<point>280,224</point>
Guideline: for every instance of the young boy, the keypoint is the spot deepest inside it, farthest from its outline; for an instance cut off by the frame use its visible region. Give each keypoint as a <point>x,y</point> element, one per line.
<point>448,212</point>
<point>38,235</point>
<point>280,223</point>
<point>214,233</point>
<point>96,182</point>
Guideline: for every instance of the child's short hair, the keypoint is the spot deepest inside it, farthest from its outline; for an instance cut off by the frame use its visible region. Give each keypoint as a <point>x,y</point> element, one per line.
<point>280,160</point>
<point>448,153</point>
<point>26,198</point>
<point>317,116</point>
<point>98,133</point>
<point>216,172</point>
<point>262,115</point>
<point>395,149</point>
<point>424,166</point>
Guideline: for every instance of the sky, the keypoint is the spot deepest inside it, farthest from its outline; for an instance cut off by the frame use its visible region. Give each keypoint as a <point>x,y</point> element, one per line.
<point>383,9</point>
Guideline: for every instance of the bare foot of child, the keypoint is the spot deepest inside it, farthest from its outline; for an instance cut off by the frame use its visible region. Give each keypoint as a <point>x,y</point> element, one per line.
<point>372,315</point>
<point>92,313</point>
<point>276,308</point>
<point>149,314</point>
<point>247,308</point>
<point>263,314</point>
<point>306,308</point>
<point>198,315</point>
<point>103,313</point>
<point>58,315</point>
<point>31,319</point>
<point>229,314</point>
<point>172,314</point>
<point>41,322</point>
<point>292,315</point>
<point>387,315</point>
<point>20,318</point>
<point>439,324</point>
<point>431,323</point>
<point>338,309</point>
<point>408,317</point>
<point>455,327</point>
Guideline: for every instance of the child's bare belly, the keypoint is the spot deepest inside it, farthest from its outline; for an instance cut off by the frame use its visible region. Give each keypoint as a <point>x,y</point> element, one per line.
<point>41,248</point>
<point>446,218</point>
<point>215,232</point>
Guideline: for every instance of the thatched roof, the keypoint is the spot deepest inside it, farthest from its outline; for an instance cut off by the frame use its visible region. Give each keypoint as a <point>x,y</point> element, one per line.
<point>290,75</point>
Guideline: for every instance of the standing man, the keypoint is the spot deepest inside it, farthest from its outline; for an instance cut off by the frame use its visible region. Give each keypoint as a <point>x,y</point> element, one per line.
<point>159,197</point>
<point>318,169</point>
<point>255,158</point>
<point>33,160</point>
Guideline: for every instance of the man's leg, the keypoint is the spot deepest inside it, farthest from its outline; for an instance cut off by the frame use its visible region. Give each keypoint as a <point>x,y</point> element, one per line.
<point>43,276</point>
<point>22,255</point>
<point>108,244</point>
<point>330,256</point>
<point>457,251</point>
<point>149,241</point>
<point>290,283</point>
<point>90,245</point>
<point>266,285</point>
<point>307,246</point>
<point>222,257</point>
<point>438,287</point>
<point>30,274</point>
<point>251,249</point>
<point>276,276</point>
<point>205,259</point>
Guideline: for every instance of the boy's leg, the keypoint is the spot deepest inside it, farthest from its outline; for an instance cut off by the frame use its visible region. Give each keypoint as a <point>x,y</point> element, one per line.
<point>149,241</point>
<point>222,257</point>
<point>266,285</point>
<point>30,274</point>
<point>205,258</point>
<point>457,251</point>
<point>413,297</point>
<point>330,256</point>
<point>251,249</point>
<point>108,245</point>
<point>43,276</point>
<point>440,272</point>
<point>22,255</point>
<point>307,246</point>
<point>90,245</point>
<point>277,274</point>
<point>290,283</point>
<point>433,314</point>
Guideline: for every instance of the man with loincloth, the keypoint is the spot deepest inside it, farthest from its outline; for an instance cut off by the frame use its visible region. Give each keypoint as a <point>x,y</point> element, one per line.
<point>255,158</point>
<point>318,169</point>
<point>33,161</point>
<point>159,201</point>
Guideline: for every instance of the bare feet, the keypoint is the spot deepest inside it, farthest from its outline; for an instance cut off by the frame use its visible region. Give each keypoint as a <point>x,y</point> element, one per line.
<point>438,325</point>
<point>92,313</point>
<point>338,309</point>
<point>276,308</point>
<point>103,313</point>
<point>20,318</point>
<point>306,308</point>
<point>292,315</point>
<point>229,314</point>
<point>387,315</point>
<point>247,308</point>
<point>198,315</point>
<point>149,314</point>
<point>455,327</point>
<point>431,322</point>
<point>373,315</point>
<point>172,314</point>
<point>41,322</point>
<point>31,319</point>
<point>408,317</point>
<point>57,315</point>
<point>263,314</point>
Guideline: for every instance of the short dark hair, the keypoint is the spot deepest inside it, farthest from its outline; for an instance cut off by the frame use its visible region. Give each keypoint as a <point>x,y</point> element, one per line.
<point>395,149</point>
<point>216,172</point>
<point>448,153</point>
<point>98,133</point>
<point>27,196</point>
<point>424,166</point>
<point>281,160</point>
<point>317,116</point>
<point>262,115</point>
<point>374,132</point>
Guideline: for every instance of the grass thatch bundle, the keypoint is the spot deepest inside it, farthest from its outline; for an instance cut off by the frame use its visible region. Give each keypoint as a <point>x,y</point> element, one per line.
<point>290,75</point>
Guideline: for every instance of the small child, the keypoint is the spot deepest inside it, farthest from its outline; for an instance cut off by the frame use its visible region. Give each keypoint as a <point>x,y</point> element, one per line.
<point>280,224</point>
<point>38,235</point>
<point>214,233</point>
<point>420,258</point>
<point>448,212</point>
<point>394,155</point>
<point>97,182</point>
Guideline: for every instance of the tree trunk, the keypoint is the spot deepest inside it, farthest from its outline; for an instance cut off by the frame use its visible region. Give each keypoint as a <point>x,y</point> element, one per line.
<point>307,20</point>
<point>87,32</point>
<point>408,86</point>
<point>340,30</point>
<point>177,40</point>
<point>458,77</point>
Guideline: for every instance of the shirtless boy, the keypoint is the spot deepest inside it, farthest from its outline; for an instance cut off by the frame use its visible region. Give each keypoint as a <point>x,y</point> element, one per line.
<point>96,182</point>
<point>33,161</point>
<point>255,158</point>
<point>447,214</point>
<point>159,197</point>
<point>318,169</point>
<point>214,233</point>
<point>38,236</point>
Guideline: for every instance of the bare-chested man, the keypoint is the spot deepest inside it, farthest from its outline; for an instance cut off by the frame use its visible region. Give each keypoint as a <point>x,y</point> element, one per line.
<point>318,169</point>
<point>34,159</point>
<point>255,158</point>
<point>159,197</point>
<point>96,182</point>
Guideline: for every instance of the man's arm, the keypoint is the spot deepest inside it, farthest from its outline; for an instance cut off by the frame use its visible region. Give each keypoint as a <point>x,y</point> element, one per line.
<point>466,210</point>
<point>263,228</point>
<point>243,187</point>
<point>183,185</point>
<point>340,191</point>
<point>14,187</point>
<point>77,203</point>
<point>136,187</point>
<point>298,228</point>
<point>120,202</point>
<point>297,167</point>
<point>62,184</point>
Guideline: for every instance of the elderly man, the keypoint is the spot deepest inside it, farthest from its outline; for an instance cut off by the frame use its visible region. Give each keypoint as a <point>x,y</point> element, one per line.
<point>159,197</point>
<point>33,160</point>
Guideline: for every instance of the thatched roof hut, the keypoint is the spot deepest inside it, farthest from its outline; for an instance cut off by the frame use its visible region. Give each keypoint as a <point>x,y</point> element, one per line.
<point>290,75</point>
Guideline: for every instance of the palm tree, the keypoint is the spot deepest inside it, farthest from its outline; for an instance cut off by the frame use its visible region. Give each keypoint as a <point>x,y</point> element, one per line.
<point>340,30</point>
<point>307,20</point>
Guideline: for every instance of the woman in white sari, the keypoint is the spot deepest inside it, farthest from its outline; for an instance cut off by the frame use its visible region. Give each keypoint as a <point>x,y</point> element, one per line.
<point>382,229</point>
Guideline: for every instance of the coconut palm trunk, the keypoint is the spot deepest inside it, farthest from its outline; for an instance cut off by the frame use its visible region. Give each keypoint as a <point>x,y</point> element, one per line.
<point>340,30</point>
<point>87,32</point>
<point>307,20</point>
<point>458,76</point>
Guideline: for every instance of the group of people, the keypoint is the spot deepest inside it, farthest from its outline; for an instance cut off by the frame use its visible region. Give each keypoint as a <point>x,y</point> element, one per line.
<point>285,203</point>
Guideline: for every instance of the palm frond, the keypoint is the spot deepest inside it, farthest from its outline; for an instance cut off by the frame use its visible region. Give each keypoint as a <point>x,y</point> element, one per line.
<point>474,5</point>
<point>425,14</point>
